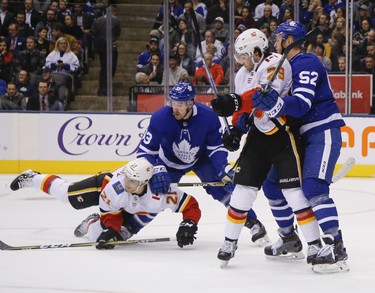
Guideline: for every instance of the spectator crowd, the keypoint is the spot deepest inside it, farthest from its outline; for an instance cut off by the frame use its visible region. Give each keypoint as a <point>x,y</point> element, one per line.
<point>52,42</point>
<point>186,61</point>
<point>45,47</point>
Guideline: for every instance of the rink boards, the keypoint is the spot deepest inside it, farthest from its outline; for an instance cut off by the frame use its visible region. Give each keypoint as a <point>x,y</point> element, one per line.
<point>85,143</point>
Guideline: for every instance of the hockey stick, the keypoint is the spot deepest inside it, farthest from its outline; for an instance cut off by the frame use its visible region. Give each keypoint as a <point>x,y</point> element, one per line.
<point>345,168</point>
<point>4,246</point>
<point>297,43</point>
<point>208,72</point>
<point>198,184</point>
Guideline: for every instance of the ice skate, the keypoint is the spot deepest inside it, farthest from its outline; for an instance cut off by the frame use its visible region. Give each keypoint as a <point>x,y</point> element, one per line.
<point>23,180</point>
<point>331,258</point>
<point>312,251</point>
<point>226,252</point>
<point>288,247</point>
<point>258,232</point>
<point>83,228</point>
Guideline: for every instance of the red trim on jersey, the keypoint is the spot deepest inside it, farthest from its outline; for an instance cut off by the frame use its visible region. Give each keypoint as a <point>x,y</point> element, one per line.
<point>105,182</point>
<point>247,104</point>
<point>46,184</point>
<point>191,210</point>
<point>113,220</point>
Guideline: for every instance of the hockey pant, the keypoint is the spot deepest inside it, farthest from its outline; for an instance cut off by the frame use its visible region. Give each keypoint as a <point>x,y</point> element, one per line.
<point>322,152</point>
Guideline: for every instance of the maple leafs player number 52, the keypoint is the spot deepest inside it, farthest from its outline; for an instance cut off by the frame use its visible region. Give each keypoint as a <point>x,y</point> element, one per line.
<point>307,77</point>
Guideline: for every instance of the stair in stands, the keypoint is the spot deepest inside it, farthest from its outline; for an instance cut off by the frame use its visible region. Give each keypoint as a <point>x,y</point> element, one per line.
<point>137,18</point>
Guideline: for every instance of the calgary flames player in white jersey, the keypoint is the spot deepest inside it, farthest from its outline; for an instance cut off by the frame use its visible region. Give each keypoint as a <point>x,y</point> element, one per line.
<point>271,144</point>
<point>126,194</point>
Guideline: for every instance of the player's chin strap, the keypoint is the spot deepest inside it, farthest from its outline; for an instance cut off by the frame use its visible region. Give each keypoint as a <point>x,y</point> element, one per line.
<point>139,191</point>
<point>257,64</point>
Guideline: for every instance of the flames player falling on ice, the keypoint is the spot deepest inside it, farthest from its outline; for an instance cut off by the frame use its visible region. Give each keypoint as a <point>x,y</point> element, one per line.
<point>122,196</point>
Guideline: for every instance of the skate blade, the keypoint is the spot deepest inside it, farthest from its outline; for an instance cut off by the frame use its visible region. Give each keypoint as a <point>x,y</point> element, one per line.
<point>224,264</point>
<point>340,266</point>
<point>290,256</point>
<point>262,242</point>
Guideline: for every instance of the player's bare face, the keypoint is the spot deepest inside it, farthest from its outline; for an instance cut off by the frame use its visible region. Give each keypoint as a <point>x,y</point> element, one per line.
<point>181,110</point>
<point>131,185</point>
<point>245,60</point>
<point>278,44</point>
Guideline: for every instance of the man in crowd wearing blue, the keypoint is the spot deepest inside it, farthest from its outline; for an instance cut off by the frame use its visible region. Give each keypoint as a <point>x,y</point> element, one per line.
<point>313,104</point>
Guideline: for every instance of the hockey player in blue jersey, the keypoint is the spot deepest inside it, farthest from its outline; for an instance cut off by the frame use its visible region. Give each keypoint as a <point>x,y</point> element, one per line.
<point>186,136</point>
<point>269,144</point>
<point>313,104</point>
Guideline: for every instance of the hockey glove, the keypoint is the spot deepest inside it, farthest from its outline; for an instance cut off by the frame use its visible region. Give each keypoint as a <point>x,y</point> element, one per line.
<point>186,232</point>
<point>243,124</point>
<point>226,176</point>
<point>269,101</point>
<point>160,181</point>
<point>225,105</point>
<point>108,234</point>
<point>232,139</point>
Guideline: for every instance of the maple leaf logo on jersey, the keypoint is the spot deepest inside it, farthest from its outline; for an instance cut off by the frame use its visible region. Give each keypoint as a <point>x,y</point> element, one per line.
<point>185,152</point>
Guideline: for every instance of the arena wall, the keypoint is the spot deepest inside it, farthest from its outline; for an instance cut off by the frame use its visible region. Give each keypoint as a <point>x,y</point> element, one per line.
<point>86,143</point>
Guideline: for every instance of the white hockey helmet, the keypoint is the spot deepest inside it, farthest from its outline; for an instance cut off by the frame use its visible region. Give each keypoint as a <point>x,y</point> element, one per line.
<point>248,41</point>
<point>139,169</point>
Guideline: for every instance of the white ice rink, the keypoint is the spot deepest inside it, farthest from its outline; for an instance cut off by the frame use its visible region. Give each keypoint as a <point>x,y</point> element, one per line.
<point>28,217</point>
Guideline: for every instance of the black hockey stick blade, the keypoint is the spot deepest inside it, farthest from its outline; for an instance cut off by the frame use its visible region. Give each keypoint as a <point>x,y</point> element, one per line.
<point>4,246</point>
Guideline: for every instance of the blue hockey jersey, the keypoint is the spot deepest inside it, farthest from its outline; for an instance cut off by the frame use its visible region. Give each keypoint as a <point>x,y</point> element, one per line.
<point>312,100</point>
<point>179,144</point>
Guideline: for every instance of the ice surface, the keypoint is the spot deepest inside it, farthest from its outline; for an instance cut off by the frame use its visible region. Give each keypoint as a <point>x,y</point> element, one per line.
<point>29,217</point>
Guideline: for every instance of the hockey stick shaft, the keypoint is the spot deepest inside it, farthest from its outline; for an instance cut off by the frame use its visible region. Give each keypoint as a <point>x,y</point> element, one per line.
<point>195,184</point>
<point>345,168</point>
<point>295,44</point>
<point>4,246</point>
<point>299,42</point>
<point>208,72</point>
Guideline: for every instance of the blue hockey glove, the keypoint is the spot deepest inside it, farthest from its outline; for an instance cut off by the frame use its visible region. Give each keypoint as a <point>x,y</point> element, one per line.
<point>225,104</point>
<point>226,176</point>
<point>108,234</point>
<point>269,101</point>
<point>231,140</point>
<point>160,181</point>
<point>243,123</point>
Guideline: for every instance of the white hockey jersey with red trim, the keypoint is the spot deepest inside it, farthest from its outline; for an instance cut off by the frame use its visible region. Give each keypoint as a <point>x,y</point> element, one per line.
<point>247,83</point>
<point>114,198</point>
